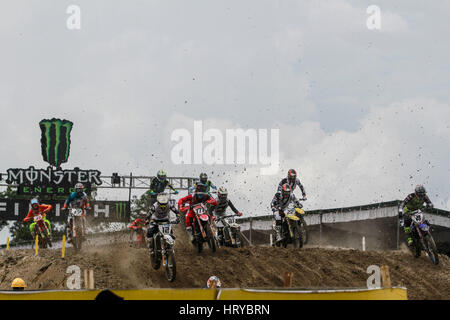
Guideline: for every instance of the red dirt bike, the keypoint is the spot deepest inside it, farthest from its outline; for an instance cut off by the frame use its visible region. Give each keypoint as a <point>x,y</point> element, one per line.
<point>41,230</point>
<point>202,228</point>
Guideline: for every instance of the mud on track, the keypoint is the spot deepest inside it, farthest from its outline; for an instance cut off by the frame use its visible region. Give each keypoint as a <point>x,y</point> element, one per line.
<point>120,265</point>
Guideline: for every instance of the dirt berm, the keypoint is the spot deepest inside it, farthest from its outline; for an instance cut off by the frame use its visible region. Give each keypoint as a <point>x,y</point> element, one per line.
<point>119,265</point>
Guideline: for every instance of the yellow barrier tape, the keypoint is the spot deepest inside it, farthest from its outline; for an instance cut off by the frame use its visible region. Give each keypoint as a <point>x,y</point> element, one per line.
<point>213,294</point>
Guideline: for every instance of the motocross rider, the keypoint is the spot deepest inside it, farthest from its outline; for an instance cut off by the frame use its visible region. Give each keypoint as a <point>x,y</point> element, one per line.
<point>199,196</point>
<point>281,201</point>
<point>36,209</point>
<point>158,185</point>
<point>293,181</point>
<point>204,180</point>
<point>222,204</point>
<point>412,202</point>
<point>137,224</point>
<point>77,199</point>
<point>160,212</point>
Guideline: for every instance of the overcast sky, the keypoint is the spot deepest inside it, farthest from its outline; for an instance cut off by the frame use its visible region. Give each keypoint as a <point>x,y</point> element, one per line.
<point>363,114</point>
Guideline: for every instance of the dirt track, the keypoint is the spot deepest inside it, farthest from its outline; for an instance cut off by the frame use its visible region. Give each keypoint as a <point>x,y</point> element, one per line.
<point>122,266</point>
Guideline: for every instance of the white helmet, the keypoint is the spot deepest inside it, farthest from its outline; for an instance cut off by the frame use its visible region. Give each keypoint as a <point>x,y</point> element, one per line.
<point>162,199</point>
<point>222,193</point>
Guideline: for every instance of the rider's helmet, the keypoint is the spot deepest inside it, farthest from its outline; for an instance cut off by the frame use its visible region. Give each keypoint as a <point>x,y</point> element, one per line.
<point>222,194</point>
<point>203,178</point>
<point>213,282</point>
<point>291,176</point>
<point>79,188</point>
<point>163,200</point>
<point>34,204</point>
<point>18,284</point>
<point>200,190</point>
<point>420,191</point>
<point>286,191</point>
<point>161,175</point>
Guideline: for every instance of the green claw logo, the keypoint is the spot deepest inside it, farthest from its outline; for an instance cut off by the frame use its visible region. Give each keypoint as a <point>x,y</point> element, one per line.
<point>55,140</point>
<point>121,210</point>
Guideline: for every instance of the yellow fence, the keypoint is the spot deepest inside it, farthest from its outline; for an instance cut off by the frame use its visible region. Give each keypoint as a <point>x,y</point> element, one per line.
<point>213,294</point>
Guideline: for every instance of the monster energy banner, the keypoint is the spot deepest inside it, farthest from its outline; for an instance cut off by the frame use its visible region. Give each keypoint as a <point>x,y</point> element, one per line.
<point>102,211</point>
<point>51,181</point>
<point>55,140</point>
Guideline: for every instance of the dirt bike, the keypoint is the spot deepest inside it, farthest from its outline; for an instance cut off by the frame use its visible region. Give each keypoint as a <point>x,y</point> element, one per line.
<point>202,228</point>
<point>291,227</point>
<point>228,232</point>
<point>163,243</point>
<point>77,227</point>
<point>422,238</point>
<point>41,230</point>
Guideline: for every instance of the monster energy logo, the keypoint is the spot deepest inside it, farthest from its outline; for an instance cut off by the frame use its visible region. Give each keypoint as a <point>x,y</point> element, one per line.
<point>55,140</point>
<point>121,210</point>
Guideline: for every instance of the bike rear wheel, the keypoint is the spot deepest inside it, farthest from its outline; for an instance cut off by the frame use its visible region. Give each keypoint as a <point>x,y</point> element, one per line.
<point>171,267</point>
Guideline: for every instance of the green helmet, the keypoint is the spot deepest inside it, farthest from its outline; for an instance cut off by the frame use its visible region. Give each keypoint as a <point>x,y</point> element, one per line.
<point>161,175</point>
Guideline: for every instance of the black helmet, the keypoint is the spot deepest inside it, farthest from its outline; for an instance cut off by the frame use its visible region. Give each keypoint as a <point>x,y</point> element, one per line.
<point>201,187</point>
<point>420,190</point>
<point>292,175</point>
<point>203,178</point>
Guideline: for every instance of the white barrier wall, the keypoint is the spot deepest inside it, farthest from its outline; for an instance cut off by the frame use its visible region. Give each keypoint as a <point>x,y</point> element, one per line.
<point>343,216</point>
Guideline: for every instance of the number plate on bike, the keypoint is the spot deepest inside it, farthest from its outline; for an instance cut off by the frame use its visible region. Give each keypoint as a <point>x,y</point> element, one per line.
<point>231,220</point>
<point>37,218</point>
<point>165,228</point>
<point>77,212</point>
<point>199,210</point>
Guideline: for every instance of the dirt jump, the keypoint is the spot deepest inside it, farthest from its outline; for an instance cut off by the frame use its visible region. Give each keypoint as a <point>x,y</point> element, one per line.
<point>118,264</point>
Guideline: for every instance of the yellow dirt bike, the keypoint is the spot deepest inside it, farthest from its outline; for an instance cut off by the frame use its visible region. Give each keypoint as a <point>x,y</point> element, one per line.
<point>293,227</point>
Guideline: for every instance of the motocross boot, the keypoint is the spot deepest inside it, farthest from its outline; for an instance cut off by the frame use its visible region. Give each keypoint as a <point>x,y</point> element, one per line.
<point>190,234</point>
<point>408,233</point>
<point>278,236</point>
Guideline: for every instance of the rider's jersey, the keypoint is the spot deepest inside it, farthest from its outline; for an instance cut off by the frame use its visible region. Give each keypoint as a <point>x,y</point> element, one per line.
<point>160,214</point>
<point>279,202</point>
<point>292,185</point>
<point>209,186</point>
<point>412,203</point>
<point>158,186</point>
<point>42,208</point>
<point>77,201</point>
<point>194,199</point>
<point>221,207</point>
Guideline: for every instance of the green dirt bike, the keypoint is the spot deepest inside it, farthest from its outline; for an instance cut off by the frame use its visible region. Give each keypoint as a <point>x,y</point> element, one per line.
<point>422,238</point>
<point>41,229</point>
